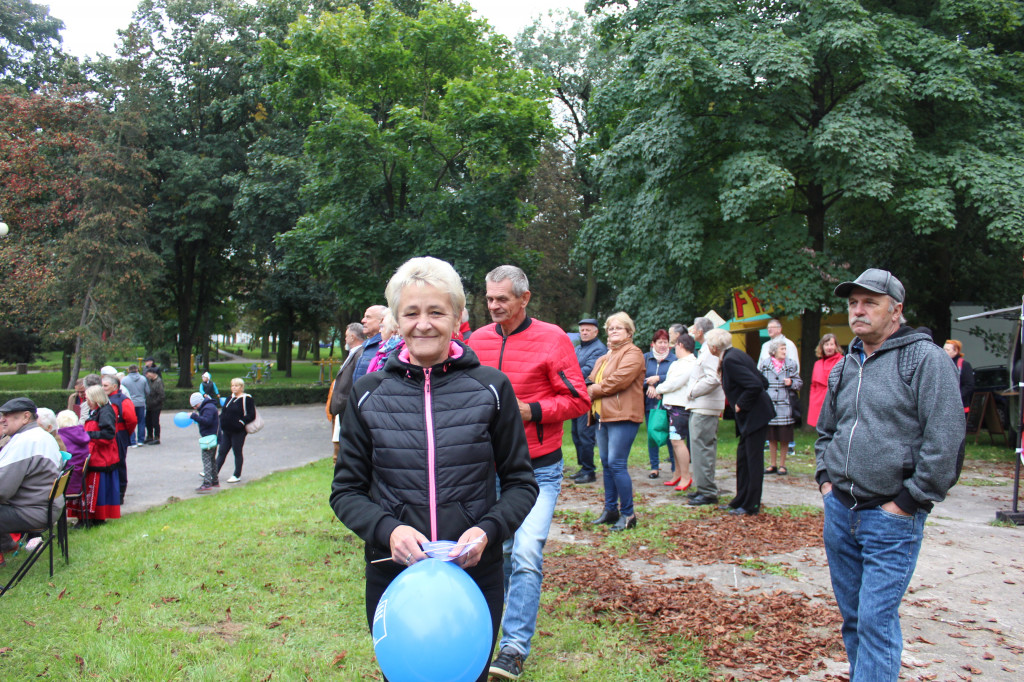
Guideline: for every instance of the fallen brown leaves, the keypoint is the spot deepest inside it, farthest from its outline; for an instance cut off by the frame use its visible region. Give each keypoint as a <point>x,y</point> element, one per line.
<point>762,636</point>
<point>770,636</point>
<point>730,539</point>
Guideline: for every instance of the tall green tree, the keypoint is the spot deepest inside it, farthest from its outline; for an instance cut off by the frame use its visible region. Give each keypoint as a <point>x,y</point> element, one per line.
<point>419,136</point>
<point>750,139</point>
<point>30,42</point>
<point>185,67</point>
<point>564,47</point>
<point>76,263</point>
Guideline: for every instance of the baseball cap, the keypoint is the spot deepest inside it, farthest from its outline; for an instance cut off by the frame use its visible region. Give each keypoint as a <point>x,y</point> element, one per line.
<point>878,281</point>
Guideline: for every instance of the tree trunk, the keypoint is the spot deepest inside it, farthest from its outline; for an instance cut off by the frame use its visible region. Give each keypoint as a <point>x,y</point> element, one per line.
<point>265,346</point>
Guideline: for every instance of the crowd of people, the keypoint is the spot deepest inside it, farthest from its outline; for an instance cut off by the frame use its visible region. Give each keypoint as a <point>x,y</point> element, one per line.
<point>107,415</point>
<point>425,413</point>
<point>441,433</point>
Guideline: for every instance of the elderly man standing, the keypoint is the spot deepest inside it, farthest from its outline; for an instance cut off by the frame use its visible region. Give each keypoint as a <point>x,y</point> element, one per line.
<point>707,400</point>
<point>890,444</point>
<point>372,319</point>
<point>337,396</point>
<point>539,360</point>
<point>29,464</point>
<point>583,436</point>
<point>775,332</point>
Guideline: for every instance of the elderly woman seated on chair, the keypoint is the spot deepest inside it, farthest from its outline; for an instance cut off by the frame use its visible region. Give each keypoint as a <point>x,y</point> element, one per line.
<point>29,464</point>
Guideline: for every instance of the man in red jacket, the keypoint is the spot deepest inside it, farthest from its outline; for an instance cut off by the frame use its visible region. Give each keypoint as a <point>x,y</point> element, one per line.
<point>540,361</point>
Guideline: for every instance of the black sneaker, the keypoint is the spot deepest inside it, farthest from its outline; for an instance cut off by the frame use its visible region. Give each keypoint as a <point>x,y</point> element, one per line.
<point>584,477</point>
<point>508,665</point>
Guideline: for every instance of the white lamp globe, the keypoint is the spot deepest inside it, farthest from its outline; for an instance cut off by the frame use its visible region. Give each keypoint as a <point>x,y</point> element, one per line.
<point>3,229</point>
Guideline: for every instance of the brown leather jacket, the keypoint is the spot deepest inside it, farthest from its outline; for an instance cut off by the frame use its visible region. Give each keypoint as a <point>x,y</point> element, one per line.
<point>621,388</point>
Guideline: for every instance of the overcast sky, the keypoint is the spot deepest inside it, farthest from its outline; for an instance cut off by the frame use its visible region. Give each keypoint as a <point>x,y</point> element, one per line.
<point>91,27</point>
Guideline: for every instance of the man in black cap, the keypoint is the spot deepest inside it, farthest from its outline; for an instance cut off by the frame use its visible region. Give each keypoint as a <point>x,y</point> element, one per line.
<point>29,464</point>
<point>890,444</point>
<point>583,437</point>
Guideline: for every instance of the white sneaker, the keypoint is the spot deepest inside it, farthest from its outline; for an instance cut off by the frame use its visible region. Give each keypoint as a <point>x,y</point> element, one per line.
<point>33,543</point>
<point>234,479</point>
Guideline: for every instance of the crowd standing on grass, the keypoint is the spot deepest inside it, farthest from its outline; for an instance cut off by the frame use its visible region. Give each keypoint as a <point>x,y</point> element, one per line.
<point>890,445</point>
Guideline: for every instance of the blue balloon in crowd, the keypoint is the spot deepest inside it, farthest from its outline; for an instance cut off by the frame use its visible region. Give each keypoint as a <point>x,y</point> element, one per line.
<point>432,623</point>
<point>222,401</point>
<point>183,420</point>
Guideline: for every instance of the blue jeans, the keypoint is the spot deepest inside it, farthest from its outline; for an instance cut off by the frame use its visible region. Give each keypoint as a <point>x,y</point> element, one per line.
<point>614,439</point>
<point>653,451</point>
<point>524,563</point>
<point>584,437</point>
<point>139,436</point>
<point>871,557</point>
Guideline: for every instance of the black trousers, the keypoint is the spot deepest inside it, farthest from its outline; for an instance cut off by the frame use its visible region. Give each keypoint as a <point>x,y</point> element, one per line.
<point>231,441</point>
<point>123,439</point>
<point>750,470</point>
<point>490,580</point>
<point>152,424</point>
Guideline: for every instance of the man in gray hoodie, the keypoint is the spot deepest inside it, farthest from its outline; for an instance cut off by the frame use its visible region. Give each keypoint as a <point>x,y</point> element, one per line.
<point>890,444</point>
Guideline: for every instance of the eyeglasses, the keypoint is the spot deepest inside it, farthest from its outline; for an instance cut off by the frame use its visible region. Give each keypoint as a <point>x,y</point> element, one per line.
<point>615,329</point>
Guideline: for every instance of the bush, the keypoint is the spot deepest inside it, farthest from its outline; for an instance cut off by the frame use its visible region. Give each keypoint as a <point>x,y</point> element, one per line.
<point>177,398</point>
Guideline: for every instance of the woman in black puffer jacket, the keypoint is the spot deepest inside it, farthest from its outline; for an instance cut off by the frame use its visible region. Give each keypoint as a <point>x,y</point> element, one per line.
<point>238,411</point>
<point>421,442</point>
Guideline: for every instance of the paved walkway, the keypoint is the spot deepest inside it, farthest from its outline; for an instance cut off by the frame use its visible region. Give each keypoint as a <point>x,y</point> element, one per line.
<point>293,436</point>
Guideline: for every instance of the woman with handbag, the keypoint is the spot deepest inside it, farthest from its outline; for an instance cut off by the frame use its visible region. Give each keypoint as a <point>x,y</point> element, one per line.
<point>656,363</point>
<point>674,391</point>
<point>238,411</point>
<point>783,383</point>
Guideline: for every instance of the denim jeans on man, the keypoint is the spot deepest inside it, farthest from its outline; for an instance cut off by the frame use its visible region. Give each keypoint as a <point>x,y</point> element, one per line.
<point>139,437</point>
<point>524,563</point>
<point>871,557</point>
<point>614,439</point>
<point>584,437</point>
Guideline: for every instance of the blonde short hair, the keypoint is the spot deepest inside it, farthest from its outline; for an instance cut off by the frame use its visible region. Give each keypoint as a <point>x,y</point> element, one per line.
<point>426,270</point>
<point>623,319</point>
<point>389,325</point>
<point>97,395</point>
<point>66,418</point>
<point>239,380</point>
<point>718,339</point>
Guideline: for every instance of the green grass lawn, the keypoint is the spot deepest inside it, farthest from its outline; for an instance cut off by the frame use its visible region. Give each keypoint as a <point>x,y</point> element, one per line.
<point>254,583</point>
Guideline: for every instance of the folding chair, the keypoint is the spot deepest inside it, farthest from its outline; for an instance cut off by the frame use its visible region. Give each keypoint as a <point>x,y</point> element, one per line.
<point>83,518</point>
<point>59,486</point>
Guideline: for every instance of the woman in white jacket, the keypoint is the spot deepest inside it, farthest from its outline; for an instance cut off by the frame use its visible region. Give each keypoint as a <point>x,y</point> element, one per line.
<point>674,391</point>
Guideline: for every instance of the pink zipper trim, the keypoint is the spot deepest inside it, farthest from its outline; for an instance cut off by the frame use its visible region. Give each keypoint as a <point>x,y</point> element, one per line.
<point>431,478</point>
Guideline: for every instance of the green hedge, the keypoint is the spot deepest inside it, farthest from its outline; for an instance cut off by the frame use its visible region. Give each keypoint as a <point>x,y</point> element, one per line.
<point>177,398</point>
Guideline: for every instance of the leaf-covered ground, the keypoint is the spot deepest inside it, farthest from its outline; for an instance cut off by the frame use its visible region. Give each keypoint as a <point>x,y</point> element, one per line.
<point>747,633</point>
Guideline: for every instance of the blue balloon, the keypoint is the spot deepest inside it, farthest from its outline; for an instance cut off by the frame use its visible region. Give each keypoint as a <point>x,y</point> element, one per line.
<point>222,401</point>
<point>183,419</point>
<point>432,623</point>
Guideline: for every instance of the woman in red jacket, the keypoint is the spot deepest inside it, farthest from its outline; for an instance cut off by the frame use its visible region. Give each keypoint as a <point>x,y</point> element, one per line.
<point>829,353</point>
<point>102,499</point>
